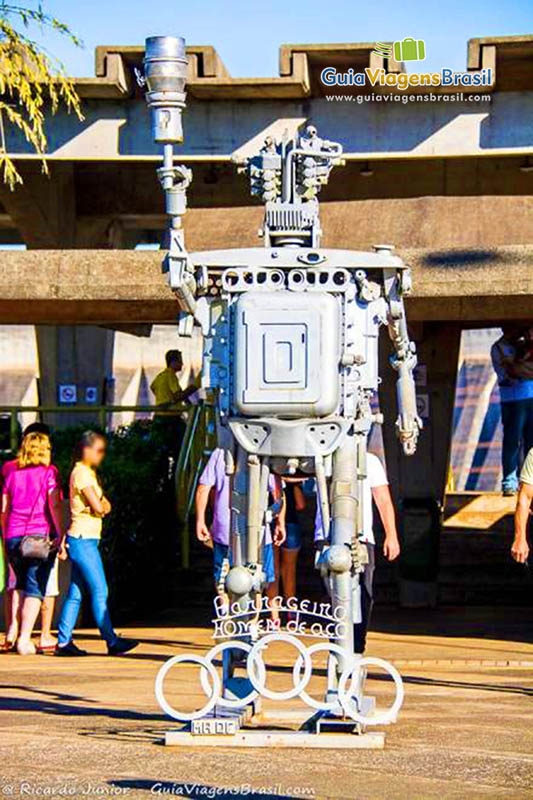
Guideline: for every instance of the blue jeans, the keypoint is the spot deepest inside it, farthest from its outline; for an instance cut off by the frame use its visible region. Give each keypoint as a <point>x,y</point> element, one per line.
<point>294,536</point>
<point>31,573</point>
<point>87,574</point>
<point>222,551</point>
<point>517,421</point>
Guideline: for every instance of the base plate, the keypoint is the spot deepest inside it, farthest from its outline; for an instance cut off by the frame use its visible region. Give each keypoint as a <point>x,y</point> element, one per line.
<point>269,738</point>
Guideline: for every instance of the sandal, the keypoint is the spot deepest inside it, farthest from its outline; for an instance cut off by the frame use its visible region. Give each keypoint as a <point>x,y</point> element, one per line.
<point>45,649</point>
<point>7,646</point>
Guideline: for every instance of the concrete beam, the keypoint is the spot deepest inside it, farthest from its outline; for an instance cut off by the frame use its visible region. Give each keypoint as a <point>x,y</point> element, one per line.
<point>422,222</point>
<point>216,129</point>
<point>472,286</point>
<point>217,123</point>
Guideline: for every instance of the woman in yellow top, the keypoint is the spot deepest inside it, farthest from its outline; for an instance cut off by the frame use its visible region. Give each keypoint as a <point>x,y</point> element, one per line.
<point>88,506</point>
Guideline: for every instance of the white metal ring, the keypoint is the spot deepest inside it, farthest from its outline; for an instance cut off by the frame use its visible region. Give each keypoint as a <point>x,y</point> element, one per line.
<point>320,647</point>
<point>215,651</point>
<point>345,697</point>
<point>215,689</point>
<point>255,659</point>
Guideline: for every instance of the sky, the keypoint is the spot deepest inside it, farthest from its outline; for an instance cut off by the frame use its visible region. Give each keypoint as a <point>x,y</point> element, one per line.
<point>248,34</point>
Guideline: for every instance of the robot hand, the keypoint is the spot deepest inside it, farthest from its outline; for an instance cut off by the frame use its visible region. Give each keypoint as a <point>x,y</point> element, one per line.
<point>408,427</point>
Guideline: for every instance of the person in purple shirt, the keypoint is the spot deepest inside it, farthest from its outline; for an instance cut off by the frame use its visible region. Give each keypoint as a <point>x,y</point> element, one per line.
<point>214,478</point>
<point>31,506</point>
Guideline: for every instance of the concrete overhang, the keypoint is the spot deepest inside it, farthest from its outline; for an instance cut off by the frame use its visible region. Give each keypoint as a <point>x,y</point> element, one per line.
<point>219,124</point>
<point>469,286</point>
<point>510,58</point>
<point>207,76</point>
<point>513,59</point>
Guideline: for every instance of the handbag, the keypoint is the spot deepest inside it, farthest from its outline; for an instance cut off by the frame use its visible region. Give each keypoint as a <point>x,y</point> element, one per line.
<point>38,547</point>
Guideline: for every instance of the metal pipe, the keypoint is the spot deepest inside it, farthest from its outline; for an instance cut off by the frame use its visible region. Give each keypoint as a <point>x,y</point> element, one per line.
<point>344,510</point>
<point>238,509</point>
<point>344,493</point>
<point>42,409</point>
<point>361,476</point>
<point>322,494</point>
<point>286,196</point>
<point>168,156</point>
<point>341,597</point>
<point>263,499</point>
<point>253,511</point>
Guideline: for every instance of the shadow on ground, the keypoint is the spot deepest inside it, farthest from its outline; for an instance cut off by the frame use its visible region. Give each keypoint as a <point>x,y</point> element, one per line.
<point>500,623</point>
<point>74,706</point>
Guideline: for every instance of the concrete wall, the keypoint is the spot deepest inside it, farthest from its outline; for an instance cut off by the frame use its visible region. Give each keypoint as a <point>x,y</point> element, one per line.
<point>132,361</point>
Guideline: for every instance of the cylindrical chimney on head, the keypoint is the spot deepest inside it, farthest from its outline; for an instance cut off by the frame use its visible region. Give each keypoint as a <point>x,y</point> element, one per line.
<point>165,71</point>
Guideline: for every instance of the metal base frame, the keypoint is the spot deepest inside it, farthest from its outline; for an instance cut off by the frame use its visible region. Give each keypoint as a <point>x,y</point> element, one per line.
<point>277,738</point>
<point>322,730</point>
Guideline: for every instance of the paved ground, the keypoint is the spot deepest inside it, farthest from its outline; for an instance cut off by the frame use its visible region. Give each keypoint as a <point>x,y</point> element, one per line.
<point>91,728</point>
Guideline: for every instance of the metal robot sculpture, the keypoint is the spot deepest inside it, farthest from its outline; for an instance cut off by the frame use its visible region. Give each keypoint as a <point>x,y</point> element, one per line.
<point>290,344</point>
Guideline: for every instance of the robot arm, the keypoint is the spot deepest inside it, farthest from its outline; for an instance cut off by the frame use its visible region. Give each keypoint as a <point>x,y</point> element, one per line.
<point>177,264</point>
<point>404,360</point>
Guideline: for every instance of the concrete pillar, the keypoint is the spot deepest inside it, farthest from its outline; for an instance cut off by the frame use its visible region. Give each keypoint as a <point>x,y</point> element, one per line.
<point>418,482</point>
<point>74,355</point>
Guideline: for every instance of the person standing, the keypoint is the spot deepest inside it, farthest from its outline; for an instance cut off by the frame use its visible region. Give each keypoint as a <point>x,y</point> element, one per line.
<point>215,483</point>
<point>520,546</point>
<point>88,507</point>
<point>286,554</point>
<point>47,641</point>
<point>214,479</point>
<point>168,393</point>
<point>31,516</point>
<point>376,489</point>
<point>512,360</point>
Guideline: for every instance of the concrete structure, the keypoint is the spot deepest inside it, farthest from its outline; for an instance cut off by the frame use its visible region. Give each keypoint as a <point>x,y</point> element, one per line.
<point>448,180</point>
<point>134,363</point>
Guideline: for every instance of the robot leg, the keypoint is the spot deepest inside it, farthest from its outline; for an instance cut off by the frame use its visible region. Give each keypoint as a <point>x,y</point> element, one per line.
<point>249,498</point>
<point>344,514</point>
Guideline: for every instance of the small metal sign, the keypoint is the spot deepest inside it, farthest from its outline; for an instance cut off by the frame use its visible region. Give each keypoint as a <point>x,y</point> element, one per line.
<point>422,405</point>
<point>67,394</point>
<point>91,395</point>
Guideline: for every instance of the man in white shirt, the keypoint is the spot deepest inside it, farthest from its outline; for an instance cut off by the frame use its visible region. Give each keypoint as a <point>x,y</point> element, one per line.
<point>375,488</point>
<point>520,545</point>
